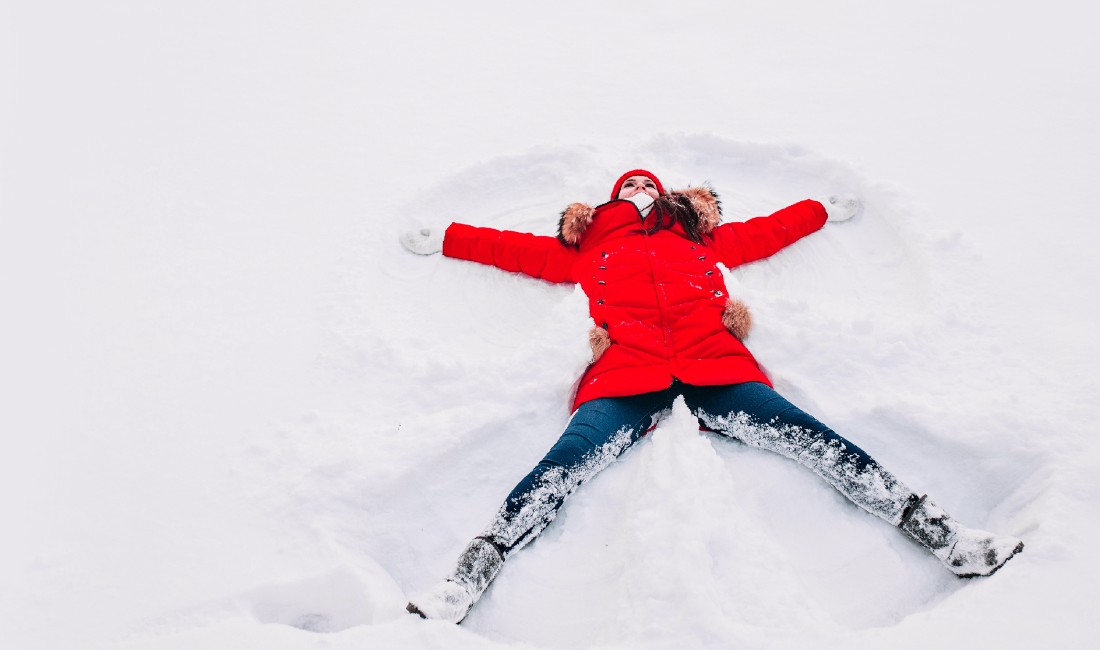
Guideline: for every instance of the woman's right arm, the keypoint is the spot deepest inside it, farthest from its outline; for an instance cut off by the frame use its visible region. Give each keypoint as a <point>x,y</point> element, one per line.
<point>535,255</point>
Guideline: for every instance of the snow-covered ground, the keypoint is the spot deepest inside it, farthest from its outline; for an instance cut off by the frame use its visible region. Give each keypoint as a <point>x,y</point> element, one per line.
<point>236,414</point>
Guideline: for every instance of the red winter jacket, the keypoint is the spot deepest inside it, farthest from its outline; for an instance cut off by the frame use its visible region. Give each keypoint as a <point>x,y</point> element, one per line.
<point>660,297</point>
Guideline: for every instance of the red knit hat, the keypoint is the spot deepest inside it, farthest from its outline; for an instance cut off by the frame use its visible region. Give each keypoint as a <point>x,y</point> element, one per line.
<point>635,172</point>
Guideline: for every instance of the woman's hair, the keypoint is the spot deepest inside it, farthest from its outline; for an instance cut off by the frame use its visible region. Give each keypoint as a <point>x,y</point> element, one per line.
<point>671,209</point>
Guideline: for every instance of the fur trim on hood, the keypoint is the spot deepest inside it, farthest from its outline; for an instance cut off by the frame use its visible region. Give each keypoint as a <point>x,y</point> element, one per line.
<point>574,221</point>
<point>703,201</point>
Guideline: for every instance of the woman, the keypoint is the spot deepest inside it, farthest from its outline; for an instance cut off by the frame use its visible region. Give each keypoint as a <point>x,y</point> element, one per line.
<point>666,326</point>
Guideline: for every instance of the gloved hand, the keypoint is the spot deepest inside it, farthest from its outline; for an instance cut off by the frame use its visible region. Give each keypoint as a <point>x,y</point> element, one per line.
<point>424,241</point>
<point>842,207</point>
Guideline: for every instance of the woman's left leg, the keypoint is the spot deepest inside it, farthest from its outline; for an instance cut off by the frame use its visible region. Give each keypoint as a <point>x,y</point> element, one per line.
<point>757,415</point>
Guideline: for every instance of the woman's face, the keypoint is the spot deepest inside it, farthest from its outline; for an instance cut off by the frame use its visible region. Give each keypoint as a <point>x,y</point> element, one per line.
<point>638,185</point>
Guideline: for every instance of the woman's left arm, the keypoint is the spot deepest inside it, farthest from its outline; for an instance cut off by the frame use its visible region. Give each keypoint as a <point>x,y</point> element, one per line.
<point>760,237</point>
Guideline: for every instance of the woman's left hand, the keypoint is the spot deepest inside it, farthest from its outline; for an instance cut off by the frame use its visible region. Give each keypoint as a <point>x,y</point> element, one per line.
<point>842,207</point>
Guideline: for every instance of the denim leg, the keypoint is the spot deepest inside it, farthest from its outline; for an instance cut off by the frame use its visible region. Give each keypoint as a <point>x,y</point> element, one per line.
<point>757,415</point>
<point>598,432</point>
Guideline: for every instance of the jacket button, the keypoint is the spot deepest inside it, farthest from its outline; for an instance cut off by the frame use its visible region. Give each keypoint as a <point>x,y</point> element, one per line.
<point>718,294</point>
<point>710,272</point>
<point>600,282</point>
<point>702,257</point>
<point>603,254</point>
<point>603,268</point>
<point>600,301</point>
<point>605,325</point>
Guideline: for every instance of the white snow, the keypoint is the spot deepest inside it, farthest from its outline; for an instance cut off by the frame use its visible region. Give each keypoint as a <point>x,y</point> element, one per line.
<point>236,414</point>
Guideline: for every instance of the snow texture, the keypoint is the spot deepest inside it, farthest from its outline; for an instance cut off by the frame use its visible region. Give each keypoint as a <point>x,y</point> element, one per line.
<point>238,414</point>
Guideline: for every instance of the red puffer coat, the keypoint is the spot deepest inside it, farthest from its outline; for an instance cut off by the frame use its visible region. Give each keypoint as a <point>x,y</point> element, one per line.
<point>660,297</point>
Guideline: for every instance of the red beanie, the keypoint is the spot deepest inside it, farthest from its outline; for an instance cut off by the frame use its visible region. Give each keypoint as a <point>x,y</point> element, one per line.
<point>635,172</point>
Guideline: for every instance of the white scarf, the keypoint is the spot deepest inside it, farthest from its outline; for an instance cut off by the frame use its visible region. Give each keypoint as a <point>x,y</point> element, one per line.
<point>643,201</point>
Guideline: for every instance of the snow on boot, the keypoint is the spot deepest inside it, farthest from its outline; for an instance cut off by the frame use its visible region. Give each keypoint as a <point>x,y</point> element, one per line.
<point>967,552</point>
<point>452,599</point>
<point>447,601</point>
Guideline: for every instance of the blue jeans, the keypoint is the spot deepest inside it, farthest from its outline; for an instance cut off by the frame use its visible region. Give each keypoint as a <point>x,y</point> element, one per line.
<point>602,429</point>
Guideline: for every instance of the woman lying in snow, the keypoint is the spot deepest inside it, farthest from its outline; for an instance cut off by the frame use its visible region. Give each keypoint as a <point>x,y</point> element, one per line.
<point>666,326</point>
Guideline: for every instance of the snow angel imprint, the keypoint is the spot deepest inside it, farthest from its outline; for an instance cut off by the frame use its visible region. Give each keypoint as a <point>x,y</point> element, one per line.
<point>665,326</point>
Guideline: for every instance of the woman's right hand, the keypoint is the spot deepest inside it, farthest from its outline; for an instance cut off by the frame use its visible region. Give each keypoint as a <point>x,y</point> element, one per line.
<point>423,241</point>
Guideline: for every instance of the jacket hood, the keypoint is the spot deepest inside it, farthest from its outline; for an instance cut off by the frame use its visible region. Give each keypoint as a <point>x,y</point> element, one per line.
<point>703,203</point>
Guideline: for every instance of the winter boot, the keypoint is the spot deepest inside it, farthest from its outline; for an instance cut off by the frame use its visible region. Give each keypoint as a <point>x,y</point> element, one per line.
<point>967,552</point>
<point>452,599</point>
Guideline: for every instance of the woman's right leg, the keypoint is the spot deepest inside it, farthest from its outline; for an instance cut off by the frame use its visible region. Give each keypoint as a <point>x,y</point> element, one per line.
<point>596,435</point>
<point>598,432</point>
